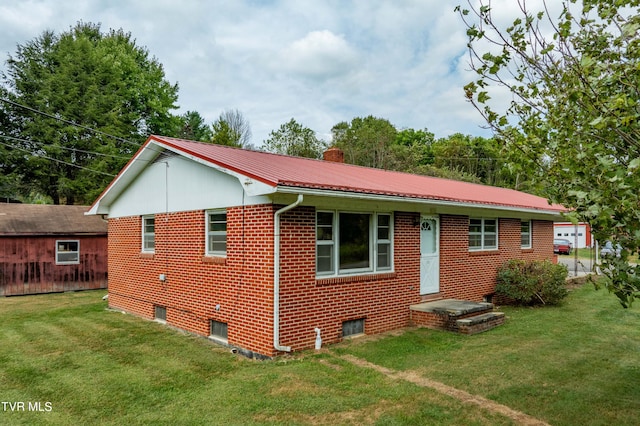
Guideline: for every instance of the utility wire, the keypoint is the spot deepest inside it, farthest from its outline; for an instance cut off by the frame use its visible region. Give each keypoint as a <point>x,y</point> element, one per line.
<point>56,160</point>
<point>44,144</point>
<point>137,145</point>
<point>72,123</point>
<point>68,121</point>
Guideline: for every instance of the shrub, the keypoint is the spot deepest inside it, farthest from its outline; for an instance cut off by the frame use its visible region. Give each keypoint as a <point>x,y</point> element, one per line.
<point>532,282</point>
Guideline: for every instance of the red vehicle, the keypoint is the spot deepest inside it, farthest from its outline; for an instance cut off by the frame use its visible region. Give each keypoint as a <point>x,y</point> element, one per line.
<point>562,246</point>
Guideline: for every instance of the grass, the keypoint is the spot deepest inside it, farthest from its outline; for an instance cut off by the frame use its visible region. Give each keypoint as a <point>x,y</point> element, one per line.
<point>96,366</point>
<point>576,364</point>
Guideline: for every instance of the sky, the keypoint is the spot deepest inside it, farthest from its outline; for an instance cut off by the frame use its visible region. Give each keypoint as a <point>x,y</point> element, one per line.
<point>320,62</point>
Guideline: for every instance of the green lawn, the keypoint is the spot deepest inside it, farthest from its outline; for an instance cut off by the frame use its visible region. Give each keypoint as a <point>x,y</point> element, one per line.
<point>577,364</point>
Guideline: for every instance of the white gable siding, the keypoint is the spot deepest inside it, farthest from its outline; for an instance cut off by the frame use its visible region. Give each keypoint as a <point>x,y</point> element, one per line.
<point>179,184</point>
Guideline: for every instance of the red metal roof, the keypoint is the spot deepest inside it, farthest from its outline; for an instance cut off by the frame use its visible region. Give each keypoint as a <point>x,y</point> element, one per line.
<point>281,170</point>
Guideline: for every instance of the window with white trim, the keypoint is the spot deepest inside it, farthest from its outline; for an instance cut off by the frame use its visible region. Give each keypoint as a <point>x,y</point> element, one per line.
<point>148,234</point>
<point>67,252</point>
<point>324,243</point>
<point>483,234</point>
<point>383,241</point>
<point>353,242</point>
<point>216,233</point>
<point>525,234</point>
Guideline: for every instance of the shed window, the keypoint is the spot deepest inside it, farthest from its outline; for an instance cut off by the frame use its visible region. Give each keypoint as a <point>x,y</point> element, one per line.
<point>483,234</point>
<point>217,233</point>
<point>148,234</point>
<point>525,234</point>
<point>67,252</point>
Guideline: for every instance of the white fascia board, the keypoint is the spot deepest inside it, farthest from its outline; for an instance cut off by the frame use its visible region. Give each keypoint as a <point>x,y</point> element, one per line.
<point>469,208</point>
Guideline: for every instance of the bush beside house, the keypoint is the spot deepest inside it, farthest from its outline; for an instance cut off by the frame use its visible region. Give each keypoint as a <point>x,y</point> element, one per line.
<point>532,282</point>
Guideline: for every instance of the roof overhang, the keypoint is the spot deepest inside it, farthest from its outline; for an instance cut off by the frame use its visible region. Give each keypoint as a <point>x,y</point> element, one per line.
<point>423,204</point>
<point>255,185</point>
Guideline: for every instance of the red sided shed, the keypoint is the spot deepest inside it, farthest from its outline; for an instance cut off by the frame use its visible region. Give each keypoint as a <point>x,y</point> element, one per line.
<point>47,249</point>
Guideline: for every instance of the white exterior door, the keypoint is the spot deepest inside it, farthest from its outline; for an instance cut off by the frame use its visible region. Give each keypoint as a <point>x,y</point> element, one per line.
<point>429,255</point>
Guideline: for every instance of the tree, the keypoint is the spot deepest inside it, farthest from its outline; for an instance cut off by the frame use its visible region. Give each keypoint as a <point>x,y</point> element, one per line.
<point>413,149</point>
<point>80,104</point>
<point>368,141</point>
<point>574,116</point>
<point>473,156</point>
<point>193,127</point>
<point>232,129</point>
<point>294,139</point>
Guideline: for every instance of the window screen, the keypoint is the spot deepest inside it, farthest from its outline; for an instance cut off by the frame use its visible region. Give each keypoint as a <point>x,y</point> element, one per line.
<point>67,252</point>
<point>217,233</point>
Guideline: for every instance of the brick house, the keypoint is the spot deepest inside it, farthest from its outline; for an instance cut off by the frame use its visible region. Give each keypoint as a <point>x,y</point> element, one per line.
<point>257,250</point>
<point>48,249</point>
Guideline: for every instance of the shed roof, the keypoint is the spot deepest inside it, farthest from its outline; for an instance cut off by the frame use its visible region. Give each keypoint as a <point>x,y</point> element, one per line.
<point>283,173</point>
<point>45,219</point>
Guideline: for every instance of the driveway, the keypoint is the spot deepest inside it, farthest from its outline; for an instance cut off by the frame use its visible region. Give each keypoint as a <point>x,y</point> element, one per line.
<point>583,266</point>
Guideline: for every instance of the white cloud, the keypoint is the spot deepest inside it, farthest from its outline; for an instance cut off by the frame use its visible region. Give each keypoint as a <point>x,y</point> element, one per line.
<point>319,55</point>
<point>318,62</point>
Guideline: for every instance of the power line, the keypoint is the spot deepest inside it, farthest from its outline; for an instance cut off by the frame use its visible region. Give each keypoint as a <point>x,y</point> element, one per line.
<point>56,160</point>
<point>44,144</point>
<point>72,123</point>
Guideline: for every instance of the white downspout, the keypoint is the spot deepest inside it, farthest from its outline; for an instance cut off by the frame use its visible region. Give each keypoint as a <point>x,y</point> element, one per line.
<point>276,274</point>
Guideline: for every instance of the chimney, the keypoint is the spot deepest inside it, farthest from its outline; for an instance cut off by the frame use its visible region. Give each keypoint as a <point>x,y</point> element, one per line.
<point>334,154</point>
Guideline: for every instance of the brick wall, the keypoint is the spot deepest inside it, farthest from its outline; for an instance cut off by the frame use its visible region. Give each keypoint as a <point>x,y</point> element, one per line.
<point>471,275</point>
<point>242,284</point>
<point>306,302</point>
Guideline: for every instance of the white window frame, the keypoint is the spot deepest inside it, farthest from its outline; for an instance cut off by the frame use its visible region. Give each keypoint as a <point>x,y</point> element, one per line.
<point>76,261</point>
<point>146,234</point>
<point>379,241</point>
<point>528,234</point>
<point>483,234</point>
<point>374,244</point>
<point>331,243</point>
<point>208,250</point>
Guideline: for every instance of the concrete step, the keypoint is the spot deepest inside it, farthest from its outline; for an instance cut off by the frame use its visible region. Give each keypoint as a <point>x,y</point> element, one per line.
<point>452,307</point>
<point>479,323</point>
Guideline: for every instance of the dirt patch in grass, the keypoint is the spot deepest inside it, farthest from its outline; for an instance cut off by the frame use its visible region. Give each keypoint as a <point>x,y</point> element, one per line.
<point>577,282</point>
<point>463,396</point>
